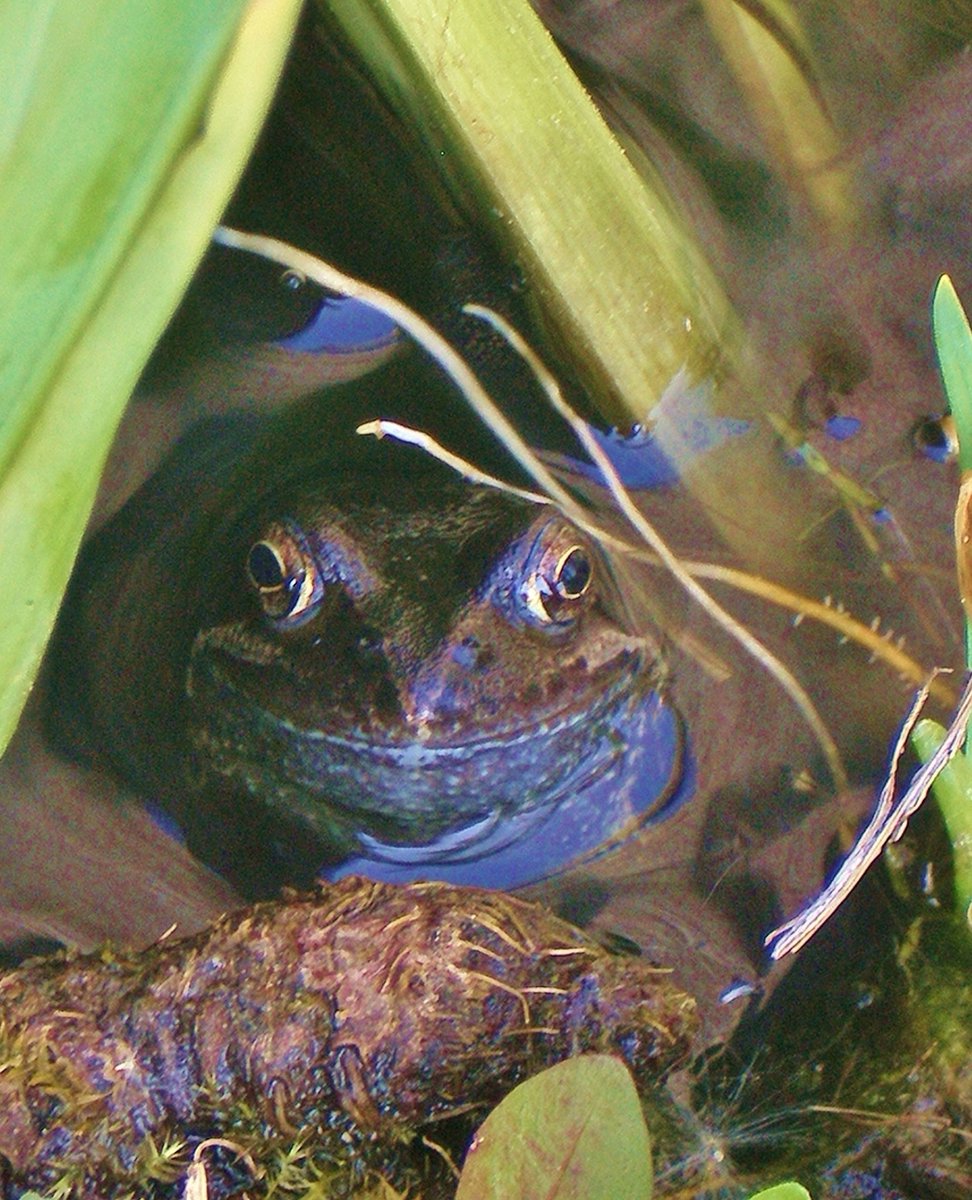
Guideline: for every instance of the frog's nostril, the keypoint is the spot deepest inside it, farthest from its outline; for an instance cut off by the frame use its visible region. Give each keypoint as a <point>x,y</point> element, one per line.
<point>472,655</point>
<point>465,655</point>
<point>485,658</point>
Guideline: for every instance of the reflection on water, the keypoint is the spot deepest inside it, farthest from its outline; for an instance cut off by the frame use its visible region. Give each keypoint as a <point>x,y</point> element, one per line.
<point>846,1078</point>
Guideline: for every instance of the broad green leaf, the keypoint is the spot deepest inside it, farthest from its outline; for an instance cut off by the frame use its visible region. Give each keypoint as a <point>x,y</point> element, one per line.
<point>125,126</point>
<point>573,1132</point>
<point>782,1191</point>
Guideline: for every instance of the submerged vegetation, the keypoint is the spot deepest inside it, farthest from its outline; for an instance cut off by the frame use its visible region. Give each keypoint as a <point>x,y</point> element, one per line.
<point>323,1032</point>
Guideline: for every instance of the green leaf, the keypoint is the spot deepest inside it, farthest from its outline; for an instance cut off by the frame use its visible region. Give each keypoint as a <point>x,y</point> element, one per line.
<point>615,272</point>
<point>573,1132</point>
<point>782,1191</point>
<point>953,794</point>
<point>953,343</point>
<point>124,129</point>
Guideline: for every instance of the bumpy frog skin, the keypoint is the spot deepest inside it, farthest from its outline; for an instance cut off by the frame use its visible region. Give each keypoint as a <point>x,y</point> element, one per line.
<point>434,653</point>
<point>306,660</point>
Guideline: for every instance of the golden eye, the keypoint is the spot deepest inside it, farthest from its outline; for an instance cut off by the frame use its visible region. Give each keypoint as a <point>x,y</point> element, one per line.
<point>573,574</point>
<point>283,573</point>
<point>558,578</point>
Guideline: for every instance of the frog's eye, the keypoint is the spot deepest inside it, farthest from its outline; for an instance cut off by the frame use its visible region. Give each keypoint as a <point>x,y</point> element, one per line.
<point>284,575</point>
<point>557,584</point>
<point>572,575</point>
<point>293,280</point>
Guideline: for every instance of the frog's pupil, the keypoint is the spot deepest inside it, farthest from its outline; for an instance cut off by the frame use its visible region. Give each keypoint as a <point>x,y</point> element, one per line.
<point>575,574</point>
<point>265,567</point>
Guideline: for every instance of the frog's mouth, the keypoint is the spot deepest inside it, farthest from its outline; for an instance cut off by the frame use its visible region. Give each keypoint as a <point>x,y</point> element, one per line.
<point>391,789</point>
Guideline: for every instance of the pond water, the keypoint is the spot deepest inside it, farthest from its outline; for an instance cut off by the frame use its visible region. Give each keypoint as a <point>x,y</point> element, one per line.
<point>812,494</point>
<point>831,1081</point>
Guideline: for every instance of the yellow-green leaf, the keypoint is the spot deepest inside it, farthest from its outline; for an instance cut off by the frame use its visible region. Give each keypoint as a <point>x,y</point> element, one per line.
<point>125,127</point>
<point>573,1132</point>
<point>513,130</point>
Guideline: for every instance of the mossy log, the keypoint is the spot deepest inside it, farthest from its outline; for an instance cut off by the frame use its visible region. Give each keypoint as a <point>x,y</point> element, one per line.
<point>340,1022</point>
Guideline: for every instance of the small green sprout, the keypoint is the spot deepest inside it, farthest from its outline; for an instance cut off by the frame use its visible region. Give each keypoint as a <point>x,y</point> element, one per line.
<point>953,787</point>
<point>782,1191</point>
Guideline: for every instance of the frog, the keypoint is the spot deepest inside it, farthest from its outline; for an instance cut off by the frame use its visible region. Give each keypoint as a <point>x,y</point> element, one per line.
<point>314,651</point>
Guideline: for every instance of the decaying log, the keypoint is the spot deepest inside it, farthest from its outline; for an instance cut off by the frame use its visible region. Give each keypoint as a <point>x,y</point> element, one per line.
<point>340,1022</point>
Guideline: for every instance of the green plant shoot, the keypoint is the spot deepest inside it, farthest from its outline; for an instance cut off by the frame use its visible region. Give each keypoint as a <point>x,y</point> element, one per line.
<point>953,786</point>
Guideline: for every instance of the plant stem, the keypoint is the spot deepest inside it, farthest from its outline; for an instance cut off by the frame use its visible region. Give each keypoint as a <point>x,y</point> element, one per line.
<point>953,343</point>
<point>787,106</point>
<point>953,792</point>
<point>627,294</point>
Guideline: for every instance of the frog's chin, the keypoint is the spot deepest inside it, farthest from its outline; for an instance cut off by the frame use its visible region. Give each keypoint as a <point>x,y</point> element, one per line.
<point>587,818</point>
<point>398,799</point>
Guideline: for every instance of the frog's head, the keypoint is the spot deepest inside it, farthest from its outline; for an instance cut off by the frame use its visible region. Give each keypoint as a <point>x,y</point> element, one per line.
<point>444,660</point>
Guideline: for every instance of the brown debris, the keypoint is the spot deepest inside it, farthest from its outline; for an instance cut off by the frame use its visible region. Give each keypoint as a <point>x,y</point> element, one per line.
<point>342,1020</point>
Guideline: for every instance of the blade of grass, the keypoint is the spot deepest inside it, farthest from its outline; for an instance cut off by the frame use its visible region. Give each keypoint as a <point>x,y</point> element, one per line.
<point>953,794</point>
<point>953,342</point>
<point>953,785</point>
<point>123,142</point>
<point>887,824</point>
<point>953,345</point>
